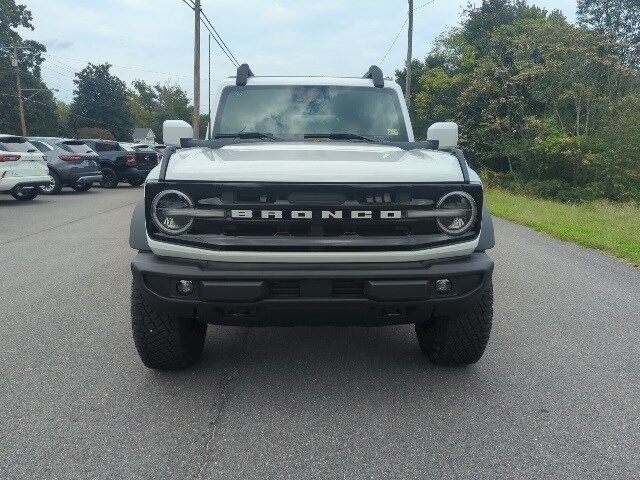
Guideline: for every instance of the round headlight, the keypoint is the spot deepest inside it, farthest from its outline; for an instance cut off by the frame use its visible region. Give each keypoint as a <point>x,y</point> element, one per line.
<point>466,212</point>
<point>165,212</point>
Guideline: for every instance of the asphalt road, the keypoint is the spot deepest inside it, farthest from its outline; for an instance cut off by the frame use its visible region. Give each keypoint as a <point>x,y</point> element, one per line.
<point>557,394</point>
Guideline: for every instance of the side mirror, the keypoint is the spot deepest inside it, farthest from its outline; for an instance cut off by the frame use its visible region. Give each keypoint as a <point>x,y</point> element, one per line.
<point>174,130</point>
<point>446,133</point>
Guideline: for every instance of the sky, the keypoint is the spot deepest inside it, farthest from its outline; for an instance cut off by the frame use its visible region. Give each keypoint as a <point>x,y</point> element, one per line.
<point>152,40</point>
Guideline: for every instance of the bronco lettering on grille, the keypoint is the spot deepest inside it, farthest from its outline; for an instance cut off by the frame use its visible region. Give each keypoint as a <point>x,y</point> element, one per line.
<point>309,214</point>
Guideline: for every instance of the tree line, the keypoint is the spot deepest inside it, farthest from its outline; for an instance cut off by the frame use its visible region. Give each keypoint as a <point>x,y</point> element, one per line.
<point>103,105</point>
<point>545,107</point>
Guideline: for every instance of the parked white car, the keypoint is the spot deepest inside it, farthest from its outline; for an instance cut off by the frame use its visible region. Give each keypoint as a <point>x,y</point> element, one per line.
<point>22,168</point>
<point>312,204</point>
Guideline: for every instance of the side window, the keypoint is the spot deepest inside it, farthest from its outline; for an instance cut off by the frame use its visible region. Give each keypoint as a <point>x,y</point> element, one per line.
<point>104,147</point>
<point>43,147</point>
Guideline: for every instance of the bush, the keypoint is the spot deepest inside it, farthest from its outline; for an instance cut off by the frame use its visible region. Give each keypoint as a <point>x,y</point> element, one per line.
<point>95,132</point>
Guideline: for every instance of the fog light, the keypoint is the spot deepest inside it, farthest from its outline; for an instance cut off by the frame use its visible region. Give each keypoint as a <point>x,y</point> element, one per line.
<point>185,287</point>
<point>443,285</point>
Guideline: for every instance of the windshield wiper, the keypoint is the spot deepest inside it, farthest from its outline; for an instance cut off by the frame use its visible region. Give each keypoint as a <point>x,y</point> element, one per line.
<point>268,136</point>
<point>342,136</point>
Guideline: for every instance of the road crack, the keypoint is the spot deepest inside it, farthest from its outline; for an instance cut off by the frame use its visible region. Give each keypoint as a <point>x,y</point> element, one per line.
<point>219,410</point>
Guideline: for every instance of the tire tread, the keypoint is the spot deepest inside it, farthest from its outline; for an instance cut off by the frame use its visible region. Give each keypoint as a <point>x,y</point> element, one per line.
<point>461,337</point>
<point>163,341</point>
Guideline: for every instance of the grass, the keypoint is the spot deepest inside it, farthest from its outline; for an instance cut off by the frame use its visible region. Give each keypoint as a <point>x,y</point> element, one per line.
<point>610,227</point>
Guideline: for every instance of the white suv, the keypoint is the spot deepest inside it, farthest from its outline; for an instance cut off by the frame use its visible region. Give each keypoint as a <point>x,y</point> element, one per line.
<point>22,168</point>
<point>312,205</point>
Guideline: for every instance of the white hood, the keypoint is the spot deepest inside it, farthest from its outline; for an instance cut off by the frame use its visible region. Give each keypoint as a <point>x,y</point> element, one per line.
<point>320,162</point>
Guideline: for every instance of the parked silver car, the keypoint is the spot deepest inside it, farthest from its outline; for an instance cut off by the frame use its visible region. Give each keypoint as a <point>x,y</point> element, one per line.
<point>71,163</point>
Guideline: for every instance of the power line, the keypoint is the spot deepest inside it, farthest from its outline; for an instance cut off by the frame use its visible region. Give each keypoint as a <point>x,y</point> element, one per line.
<point>76,115</point>
<point>119,66</point>
<point>401,29</point>
<point>218,35</point>
<point>215,35</point>
<point>394,40</point>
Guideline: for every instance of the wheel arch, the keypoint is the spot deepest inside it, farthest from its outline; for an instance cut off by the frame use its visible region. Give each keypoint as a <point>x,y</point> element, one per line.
<point>487,237</point>
<point>138,229</point>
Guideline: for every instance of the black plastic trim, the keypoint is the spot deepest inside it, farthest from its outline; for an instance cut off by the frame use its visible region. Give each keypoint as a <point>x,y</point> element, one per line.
<point>223,142</point>
<point>487,237</point>
<point>165,162</point>
<point>242,74</point>
<point>375,74</point>
<point>394,294</point>
<point>459,154</point>
<point>138,230</point>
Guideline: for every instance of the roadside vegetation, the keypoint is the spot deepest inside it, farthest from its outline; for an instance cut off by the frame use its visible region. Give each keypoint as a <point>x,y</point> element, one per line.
<point>611,227</point>
<point>543,105</point>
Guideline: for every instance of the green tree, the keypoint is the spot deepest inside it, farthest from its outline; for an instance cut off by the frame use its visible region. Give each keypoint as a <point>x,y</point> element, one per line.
<point>152,105</point>
<point>100,100</point>
<point>619,20</point>
<point>39,106</point>
<point>537,98</point>
<point>62,112</point>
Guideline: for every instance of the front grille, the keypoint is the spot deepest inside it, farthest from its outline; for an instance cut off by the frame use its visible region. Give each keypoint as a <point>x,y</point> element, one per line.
<point>315,233</point>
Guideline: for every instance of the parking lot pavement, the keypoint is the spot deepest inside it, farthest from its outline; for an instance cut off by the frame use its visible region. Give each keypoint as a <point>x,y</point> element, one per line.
<point>556,395</point>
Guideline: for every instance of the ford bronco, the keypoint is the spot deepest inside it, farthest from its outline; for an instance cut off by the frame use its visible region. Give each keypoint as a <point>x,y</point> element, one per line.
<point>311,204</point>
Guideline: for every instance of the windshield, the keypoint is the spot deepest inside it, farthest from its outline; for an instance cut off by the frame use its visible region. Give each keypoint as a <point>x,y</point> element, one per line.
<point>292,111</point>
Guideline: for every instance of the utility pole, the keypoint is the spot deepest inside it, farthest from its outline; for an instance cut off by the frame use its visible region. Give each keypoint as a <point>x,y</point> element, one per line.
<point>209,126</point>
<point>407,85</point>
<point>14,62</point>
<point>196,73</point>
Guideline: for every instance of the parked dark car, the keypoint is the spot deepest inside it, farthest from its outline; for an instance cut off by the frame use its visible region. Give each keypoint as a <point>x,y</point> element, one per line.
<point>129,163</point>
<point>71,164</point>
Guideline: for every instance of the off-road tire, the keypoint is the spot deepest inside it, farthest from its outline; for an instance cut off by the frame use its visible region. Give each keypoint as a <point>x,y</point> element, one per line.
<point>459,338</point>
<point>56,187</point>
<point>136,183</point>
<point>81,187</point>
<point>163,341</point>
<point>109,178</point>
<point>25,194</point>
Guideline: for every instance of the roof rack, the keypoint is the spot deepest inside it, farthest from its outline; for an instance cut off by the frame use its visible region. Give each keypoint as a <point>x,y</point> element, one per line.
<point>375,74</point>
<point>243,73</point>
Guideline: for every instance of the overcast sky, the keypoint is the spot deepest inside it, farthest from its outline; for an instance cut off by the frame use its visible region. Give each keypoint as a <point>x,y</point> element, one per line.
<point>153,39</point>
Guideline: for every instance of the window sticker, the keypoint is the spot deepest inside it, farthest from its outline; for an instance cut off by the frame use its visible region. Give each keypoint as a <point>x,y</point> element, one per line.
<point>392,132</point>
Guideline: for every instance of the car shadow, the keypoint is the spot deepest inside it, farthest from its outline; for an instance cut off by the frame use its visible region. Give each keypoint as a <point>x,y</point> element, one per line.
<point>320,359</point>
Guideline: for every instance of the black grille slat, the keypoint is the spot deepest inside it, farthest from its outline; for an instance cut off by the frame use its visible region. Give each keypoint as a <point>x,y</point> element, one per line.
<point>347,288</point>
<point>284,288</point>
<point>339,288</point>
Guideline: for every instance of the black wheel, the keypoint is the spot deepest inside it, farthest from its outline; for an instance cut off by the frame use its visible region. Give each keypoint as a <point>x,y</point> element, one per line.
<point>459,338</point>
<point>81,187</point>
<point>136,182</point>
<point>25,193</point>
<point>163,341</point>
<point>109,178</point>
<point>54,187</point>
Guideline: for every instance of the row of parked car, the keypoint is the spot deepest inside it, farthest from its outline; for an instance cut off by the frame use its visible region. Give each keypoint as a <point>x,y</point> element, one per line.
<point>30,166</point>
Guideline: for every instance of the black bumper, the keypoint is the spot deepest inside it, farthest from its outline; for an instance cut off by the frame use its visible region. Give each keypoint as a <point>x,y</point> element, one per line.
<point>311,294</point>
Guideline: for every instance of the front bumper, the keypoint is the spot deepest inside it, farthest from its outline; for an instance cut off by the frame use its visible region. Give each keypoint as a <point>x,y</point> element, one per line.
<point>310,294</point>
